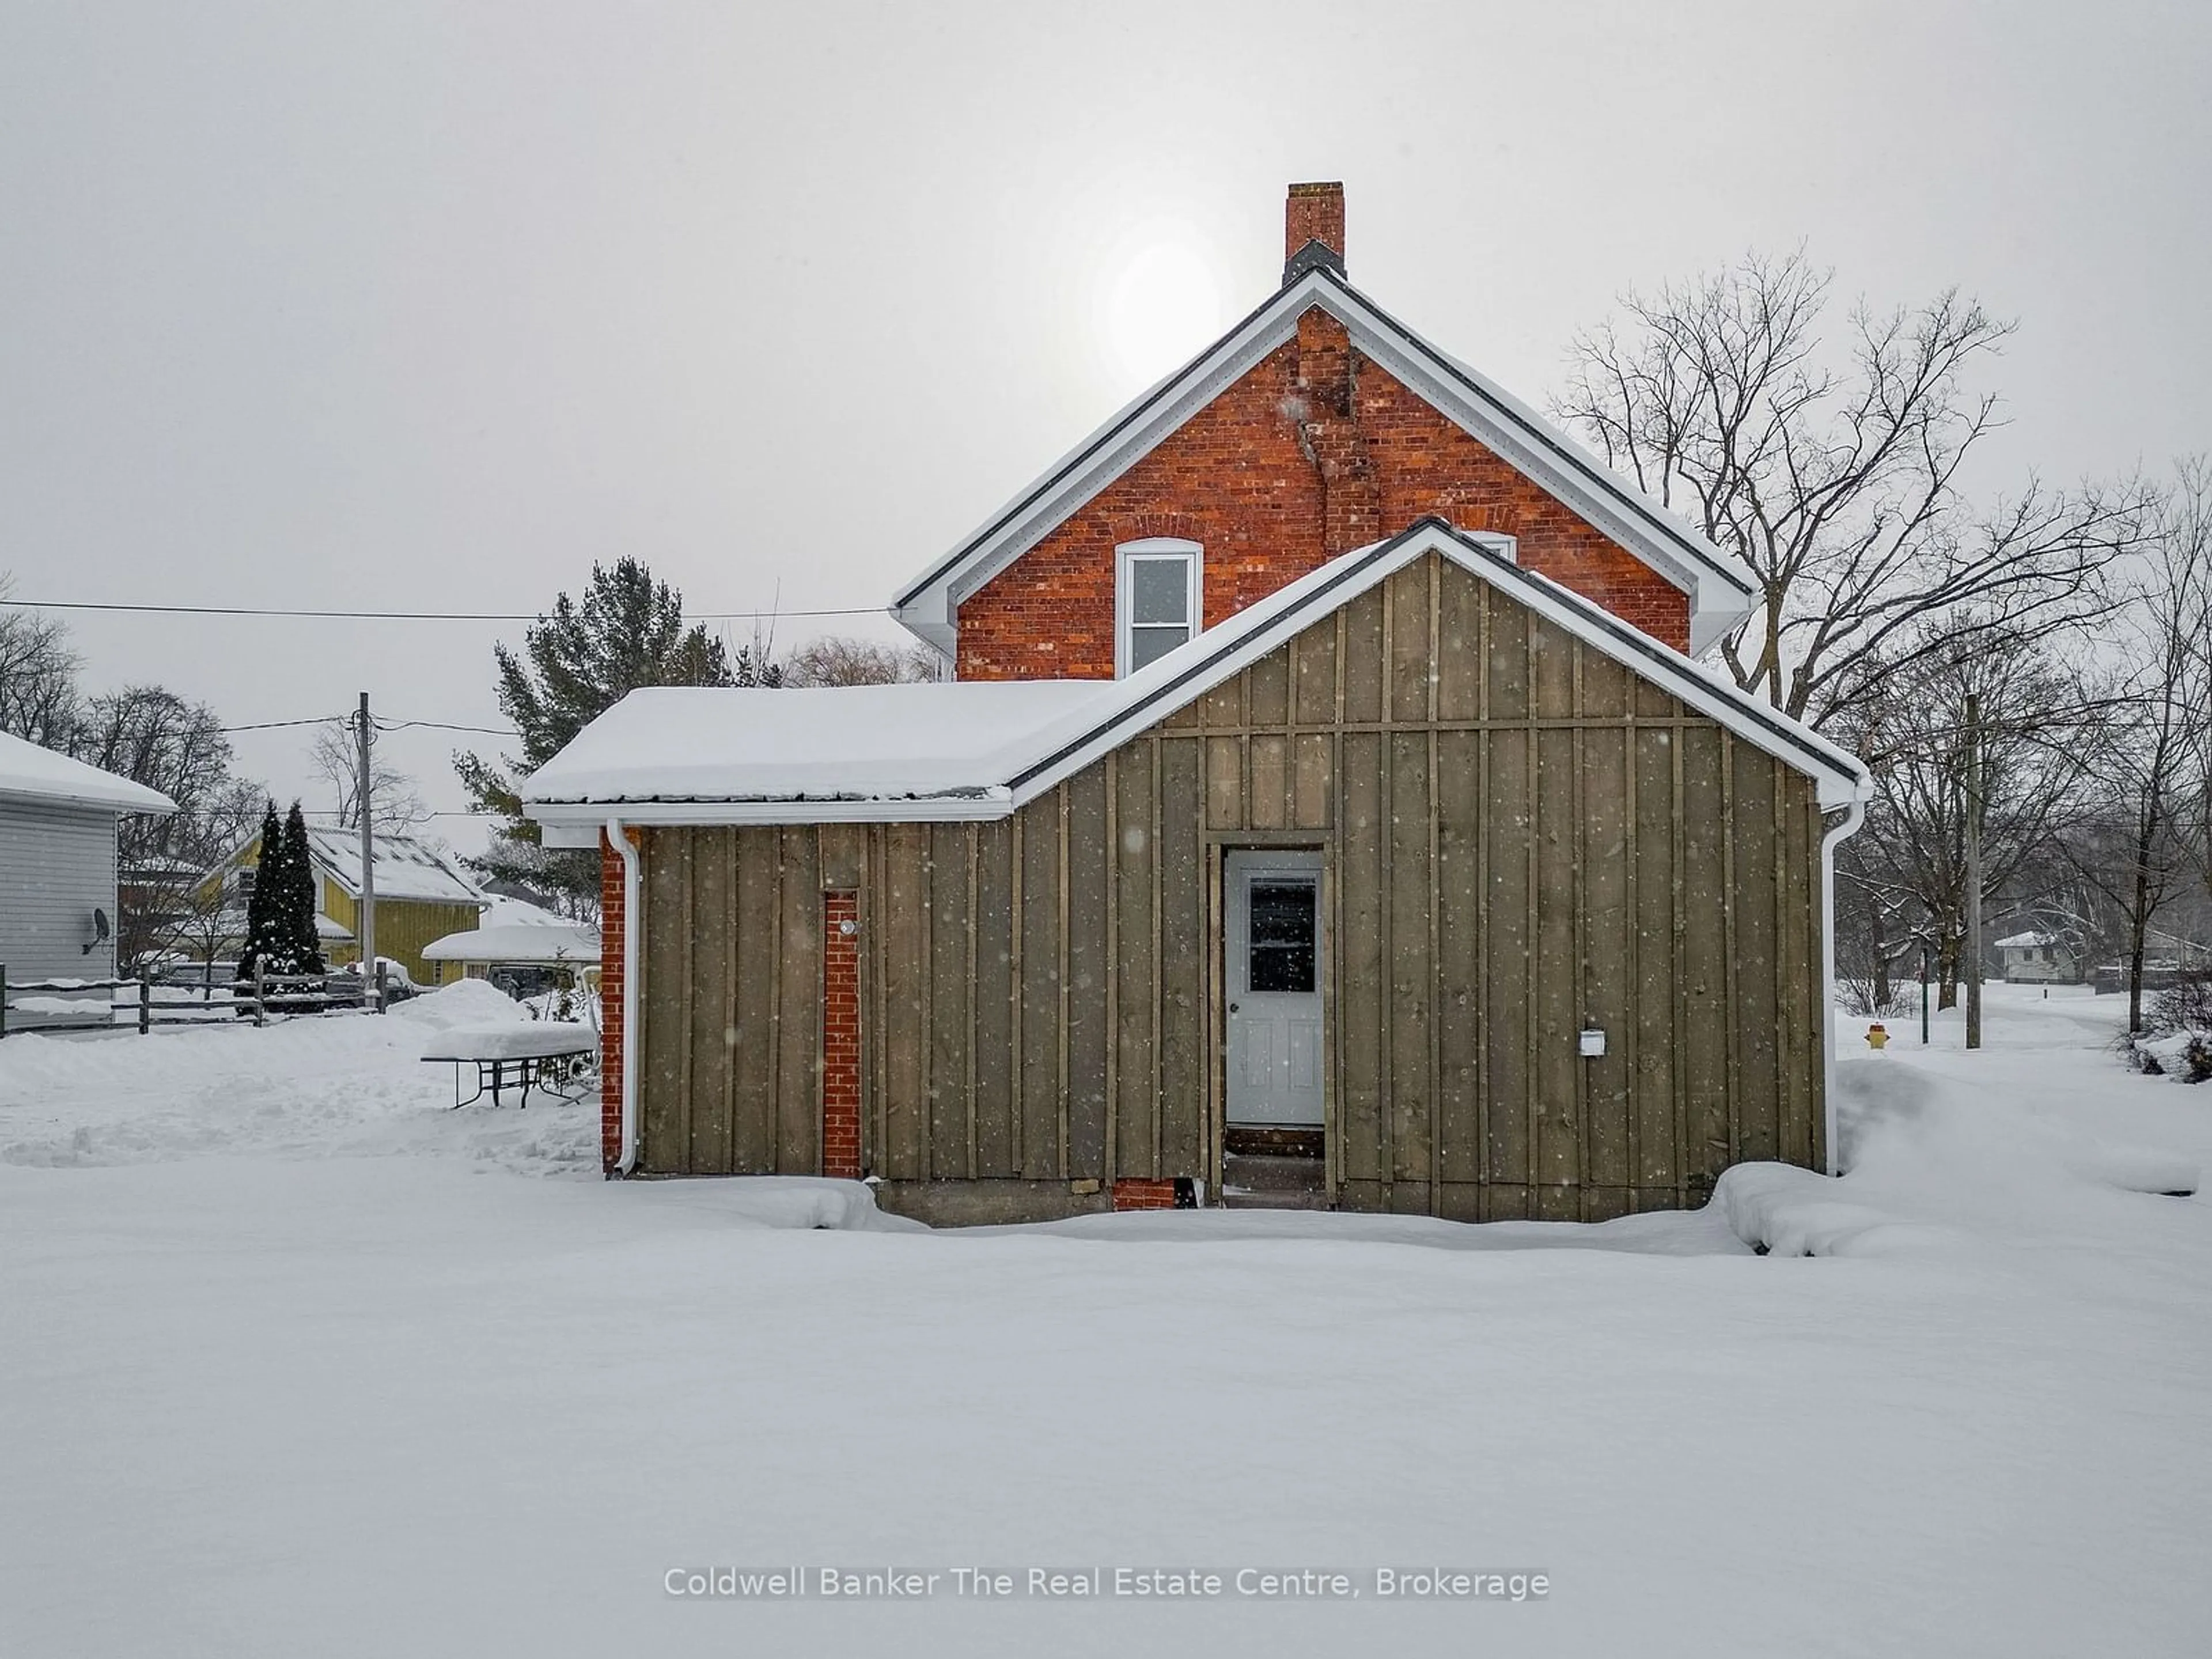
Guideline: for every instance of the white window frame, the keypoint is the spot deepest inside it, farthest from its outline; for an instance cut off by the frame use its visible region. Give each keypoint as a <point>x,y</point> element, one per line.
<point>1154,548</point>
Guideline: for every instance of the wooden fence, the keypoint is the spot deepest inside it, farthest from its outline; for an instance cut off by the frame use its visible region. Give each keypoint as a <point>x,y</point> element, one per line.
<point>160,1002</point>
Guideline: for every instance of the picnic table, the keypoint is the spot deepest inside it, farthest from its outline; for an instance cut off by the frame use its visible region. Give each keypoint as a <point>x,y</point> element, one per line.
<point>512,1051</point>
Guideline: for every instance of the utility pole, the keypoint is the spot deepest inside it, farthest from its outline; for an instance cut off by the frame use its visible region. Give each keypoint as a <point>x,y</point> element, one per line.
<point>367,735</point>
<point>1973,870</point>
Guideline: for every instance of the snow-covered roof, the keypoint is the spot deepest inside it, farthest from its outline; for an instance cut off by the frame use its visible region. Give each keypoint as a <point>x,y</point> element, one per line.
<point>2030,941</point>
<point>27,769</point>
<point>978,750</point>
<point>1720,593</point>
<point>912,742</point>
<point>501,911</point>
<point>518,941</point>
<point>406,868</point>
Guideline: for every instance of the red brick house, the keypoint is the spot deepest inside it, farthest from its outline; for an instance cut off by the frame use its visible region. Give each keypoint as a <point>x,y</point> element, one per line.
<point>1318,424</point>
<point>1323,809</point>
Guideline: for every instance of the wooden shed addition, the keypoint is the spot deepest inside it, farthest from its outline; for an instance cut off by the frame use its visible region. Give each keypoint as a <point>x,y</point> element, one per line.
<point>1423,868</point>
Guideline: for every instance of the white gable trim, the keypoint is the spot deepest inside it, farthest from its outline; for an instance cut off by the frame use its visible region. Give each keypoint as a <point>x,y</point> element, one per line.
<point>1058,748</point>
<point>1720,594</point>
<point>927,604</point>
<point>1234,645</point>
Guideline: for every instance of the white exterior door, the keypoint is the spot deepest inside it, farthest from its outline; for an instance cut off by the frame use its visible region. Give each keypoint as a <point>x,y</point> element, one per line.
<point>1274,978</point>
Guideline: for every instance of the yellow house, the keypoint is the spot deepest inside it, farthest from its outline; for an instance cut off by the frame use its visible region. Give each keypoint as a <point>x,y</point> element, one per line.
<point>422,894</point>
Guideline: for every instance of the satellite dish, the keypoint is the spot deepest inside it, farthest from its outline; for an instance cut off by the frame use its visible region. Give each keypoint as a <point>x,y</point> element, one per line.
<point>100,930</point>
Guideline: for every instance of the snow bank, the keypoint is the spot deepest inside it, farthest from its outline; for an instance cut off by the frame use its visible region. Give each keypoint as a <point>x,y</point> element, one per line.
<point>790,1202</point>
<point>1665,1233</point>
<point>1945,1149</point>
<point>345,1085</point>
<point>2173,1054</point>
<point>465,1002</point>
<point>293,1401</point>
<point>1778,1209</point>
<point>73,1007</point>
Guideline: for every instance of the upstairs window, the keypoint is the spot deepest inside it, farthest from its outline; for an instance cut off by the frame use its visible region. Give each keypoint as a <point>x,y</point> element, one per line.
<point>1156,600</point>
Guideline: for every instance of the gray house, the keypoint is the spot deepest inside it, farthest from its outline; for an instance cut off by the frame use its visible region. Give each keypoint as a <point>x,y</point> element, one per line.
<point>58,862</point>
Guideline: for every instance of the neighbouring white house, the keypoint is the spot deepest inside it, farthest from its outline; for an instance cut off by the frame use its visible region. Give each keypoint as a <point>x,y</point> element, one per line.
<point>2034,958</point>
<point>57,869</point>
<point>516,934</point>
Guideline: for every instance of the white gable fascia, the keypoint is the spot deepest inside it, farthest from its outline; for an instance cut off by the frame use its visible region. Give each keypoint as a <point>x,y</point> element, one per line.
<point>1229,648</point>
<point>1721,596</point>
<point>1058,747</point>
<point>928,606</point>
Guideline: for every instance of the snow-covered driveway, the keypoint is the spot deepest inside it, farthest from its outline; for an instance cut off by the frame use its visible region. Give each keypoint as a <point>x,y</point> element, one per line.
<point>294,1361</point>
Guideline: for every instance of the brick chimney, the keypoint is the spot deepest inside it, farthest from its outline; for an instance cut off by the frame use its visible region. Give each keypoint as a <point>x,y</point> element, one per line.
<point>1313,229</point>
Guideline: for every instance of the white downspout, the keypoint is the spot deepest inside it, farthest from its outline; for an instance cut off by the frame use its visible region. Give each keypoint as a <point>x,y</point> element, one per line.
<point>1854,817</point>
<point>619,840</point>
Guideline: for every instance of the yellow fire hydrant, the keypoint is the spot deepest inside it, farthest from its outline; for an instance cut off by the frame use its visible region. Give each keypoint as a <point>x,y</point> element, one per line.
<point>1877,1036</point>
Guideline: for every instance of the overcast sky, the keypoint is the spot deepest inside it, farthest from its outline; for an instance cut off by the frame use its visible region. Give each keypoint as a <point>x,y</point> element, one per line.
<point>427,307</point>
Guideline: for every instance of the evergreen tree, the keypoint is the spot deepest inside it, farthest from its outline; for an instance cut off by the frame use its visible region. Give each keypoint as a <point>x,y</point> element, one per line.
<point>260,905</point>
<point>279,917</point>
<point>299,907</point>
<point>627,631</point>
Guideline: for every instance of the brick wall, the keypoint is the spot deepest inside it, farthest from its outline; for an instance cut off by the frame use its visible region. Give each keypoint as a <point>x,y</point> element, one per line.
<point>1424,464</point>
<point>1143,1194</point>
<point>1315,450</point>
<point>613,920</point>
<point>840,1036</point>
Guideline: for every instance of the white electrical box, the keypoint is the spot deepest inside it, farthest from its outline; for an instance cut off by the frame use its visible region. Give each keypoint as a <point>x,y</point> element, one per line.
<point>1593,1043</point>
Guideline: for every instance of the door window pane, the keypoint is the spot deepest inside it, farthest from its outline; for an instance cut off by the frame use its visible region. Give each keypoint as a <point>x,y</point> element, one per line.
<point>1281,949</point>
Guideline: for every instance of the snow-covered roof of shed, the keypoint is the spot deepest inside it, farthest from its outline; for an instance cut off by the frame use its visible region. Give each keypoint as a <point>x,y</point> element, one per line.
<point>27,769</point>
<point>979,749</point>
<point>406,868</point>
<point>501,911</point>
<point>518,941</point>
<point>2028,941</point>
<point>912,742</point>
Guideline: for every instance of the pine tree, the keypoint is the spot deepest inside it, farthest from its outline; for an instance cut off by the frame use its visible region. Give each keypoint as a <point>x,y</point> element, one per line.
<point>260,904</point>
<point>627,631</point>
<point>299,897</point>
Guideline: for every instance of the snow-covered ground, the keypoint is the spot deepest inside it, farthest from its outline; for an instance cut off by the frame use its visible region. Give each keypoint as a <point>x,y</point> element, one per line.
<point>294,1360</point>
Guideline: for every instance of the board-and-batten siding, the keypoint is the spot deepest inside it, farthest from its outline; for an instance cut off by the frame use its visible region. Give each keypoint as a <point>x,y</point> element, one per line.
<point>57,867</point>
<point>1519,837</point>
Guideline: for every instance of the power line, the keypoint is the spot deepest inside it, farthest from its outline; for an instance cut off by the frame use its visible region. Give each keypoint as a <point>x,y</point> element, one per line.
<point>408,616</point>
<point>449,812</point>
<point>448,726</point>
<point>381,726</point>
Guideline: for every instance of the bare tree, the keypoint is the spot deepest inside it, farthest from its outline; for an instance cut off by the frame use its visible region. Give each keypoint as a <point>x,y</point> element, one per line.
<point>1830,470</point>
<point>38,699</point>
<point>336,758</point>
<point>152,736</point>
<point>2150,757</point>
<point>840,659</point>
<point>1910,860</point>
